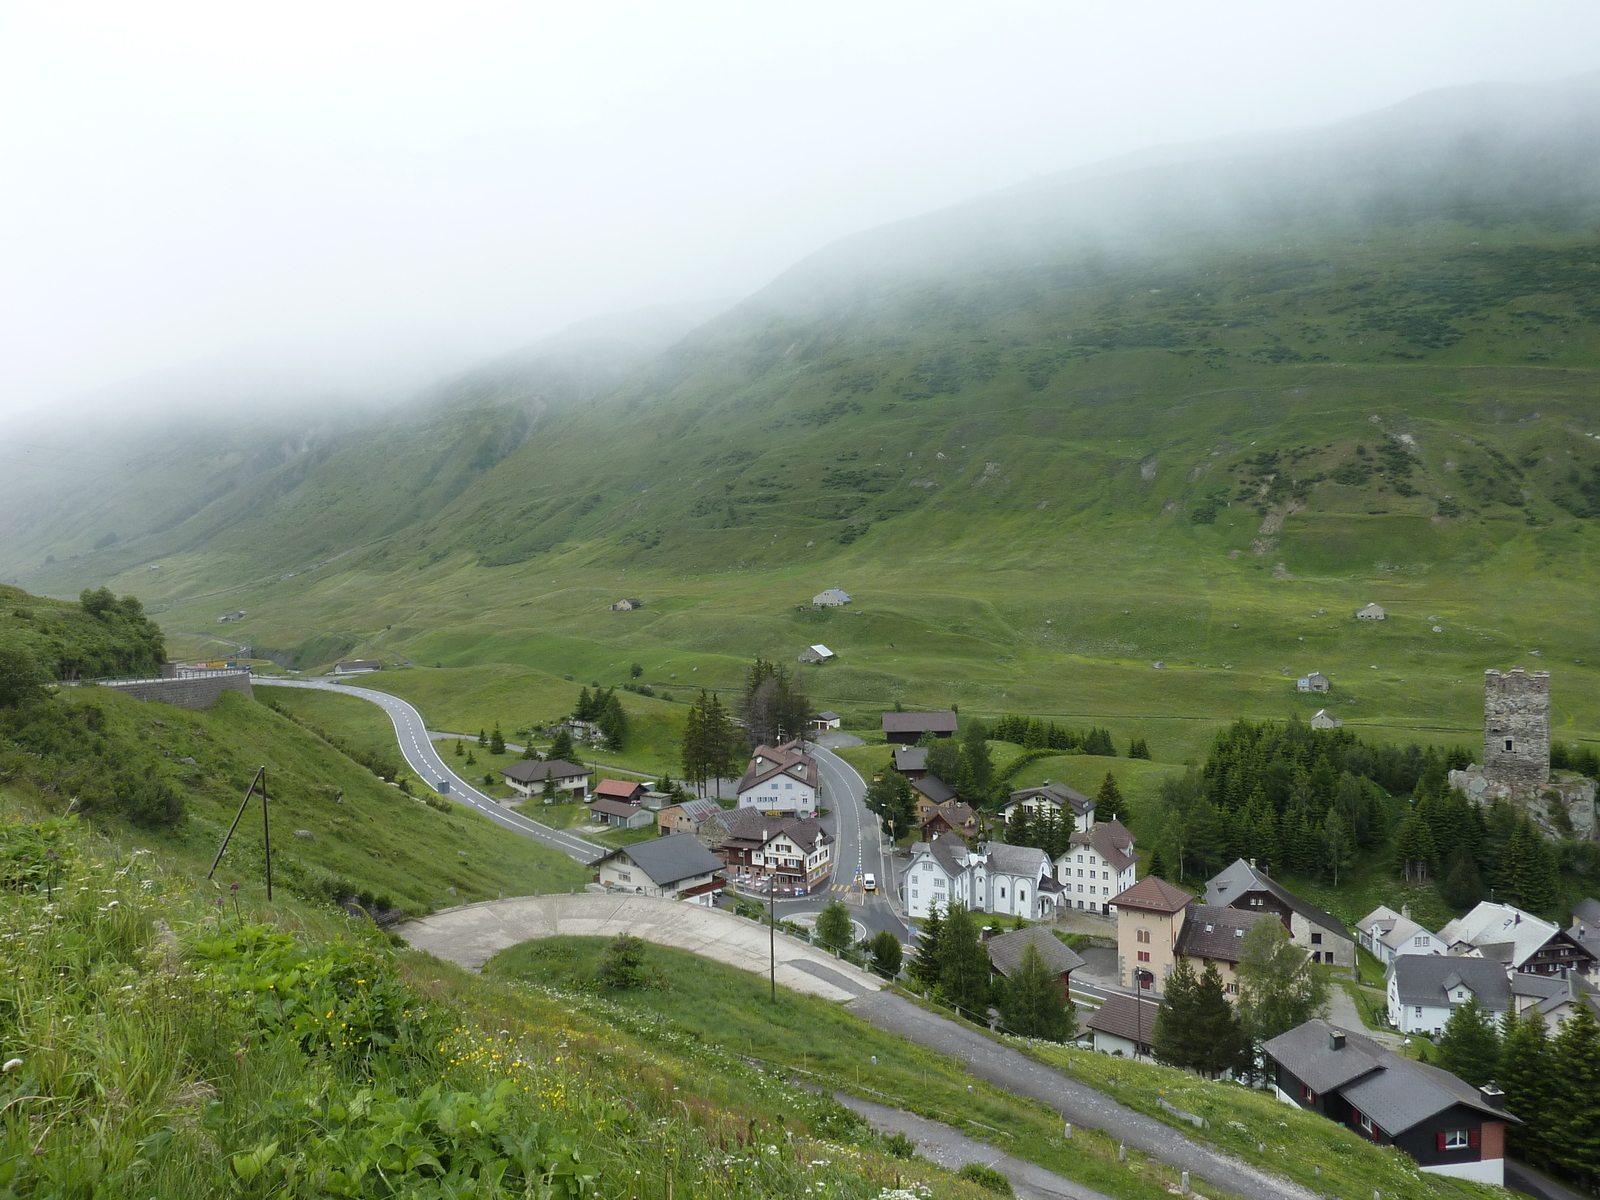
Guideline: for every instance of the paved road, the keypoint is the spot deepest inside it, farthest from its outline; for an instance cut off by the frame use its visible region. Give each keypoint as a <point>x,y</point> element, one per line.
<point>431,767</point>
<point>859,845</point>
<point>473,933</point>
<point>952,1149</point>
<point>1076,1102</point>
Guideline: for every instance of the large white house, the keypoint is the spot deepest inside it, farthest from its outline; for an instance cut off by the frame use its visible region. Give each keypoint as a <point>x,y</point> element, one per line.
<point>676,867</point>
<point>1424,989</point>
<point>1387,934</point>
<point>1100,864</point>
<point>781,780</point>
<point>994,878</point>
<point>1063,801</point>
<point>1518,940</point>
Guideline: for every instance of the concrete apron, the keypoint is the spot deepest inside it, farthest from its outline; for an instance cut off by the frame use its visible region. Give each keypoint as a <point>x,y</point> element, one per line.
<point>472,934</point>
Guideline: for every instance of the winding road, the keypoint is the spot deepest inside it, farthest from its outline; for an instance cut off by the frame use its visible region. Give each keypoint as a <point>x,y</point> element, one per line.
<point>417,748</point>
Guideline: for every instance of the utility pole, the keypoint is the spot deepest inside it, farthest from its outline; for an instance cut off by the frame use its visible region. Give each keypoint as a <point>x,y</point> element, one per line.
<point>266,828</point>
<point>772,924</point>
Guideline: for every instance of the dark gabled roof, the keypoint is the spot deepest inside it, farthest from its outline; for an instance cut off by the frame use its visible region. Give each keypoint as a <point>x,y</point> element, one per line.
<point>1153,894</point>
<point>1111,840</point>
<point>1058,794</point>
<point>949,852</point>
<point>919,722</point>
<point>615,808</point>
<point>830,715</point>
<point>1006,950</point>
<point>1240,878</point>
<point>528,771</point>
<point>1211,931</point>
<point>1428,978</point>
<point>1028,862</point>
<point>779,760</point>
<point>667,860</point>
<point>1587,911</point>
<point>910,758</point>
<point>934,789</point>
<point>1121,1016</point>
<point>1396,1093</point>
<point>753,826</point>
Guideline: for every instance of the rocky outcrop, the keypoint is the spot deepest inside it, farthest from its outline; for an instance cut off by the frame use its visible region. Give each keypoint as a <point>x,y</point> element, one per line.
<point>1563,807</point>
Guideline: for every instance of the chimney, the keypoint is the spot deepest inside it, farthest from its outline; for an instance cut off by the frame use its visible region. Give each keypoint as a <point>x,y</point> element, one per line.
<point>1493,1096</point>
<point>984,936</point>
<point>1405,911</point>
<point>1336,1039</point>
<point>1252,864</point>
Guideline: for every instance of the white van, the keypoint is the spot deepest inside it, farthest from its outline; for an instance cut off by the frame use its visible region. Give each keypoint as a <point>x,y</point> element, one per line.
<point>869,882</point>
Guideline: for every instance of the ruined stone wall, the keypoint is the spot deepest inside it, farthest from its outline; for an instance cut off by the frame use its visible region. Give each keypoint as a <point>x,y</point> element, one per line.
<point>198,692</point>
<point>1516,728</point>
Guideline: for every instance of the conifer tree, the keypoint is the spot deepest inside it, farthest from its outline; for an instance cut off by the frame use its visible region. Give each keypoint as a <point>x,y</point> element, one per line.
<point>472,759</point>
<point>1575,1115</point>
<point>1032,1005</point>
<point>1462,887</point>
<point>1470,1045</point>
<point>924,967</point>
<point>1019,829</point>
<point>483,739</point>
<point>1413,848</point>
<point>584,709</point>
<point>886,953</point>
<point>1220,1041</point>
<point>1156,865</point>
<point>1108,800</point>
<point>1174,1039</point>
<point>561,746</point>
<point>459,749</point>
<point>613,721</point>
<point>963,964</point>
<point>977,767</point>
<point>1138,748</point>
<point>695,759</point>
<point>1338,843</point>
<point>1524,1074</point>
<point>548,792</point>
<point>497,741</point>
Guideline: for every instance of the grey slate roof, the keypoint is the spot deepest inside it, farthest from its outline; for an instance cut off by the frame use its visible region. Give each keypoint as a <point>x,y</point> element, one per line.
<point>1212,931</point>
<point>1427,979</point>
<point>1027,861</point>
<point>1395,1092</point>
<point>671,859</point>
<point>1058,794</point>
<point>919,722</point>
<point>1240,877</point>
<point>1111,840</point>
<point>1120,1016</point>
<point>527,771</point>
<point>934,789</point>
<point>949,851</point>
<point>699,810</point>
<point>1587,912</point>
<point>1006,950</point>
<point>910,758</point>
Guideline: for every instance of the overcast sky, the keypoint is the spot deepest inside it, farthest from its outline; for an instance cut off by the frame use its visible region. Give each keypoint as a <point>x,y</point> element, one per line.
<point>373,187</point>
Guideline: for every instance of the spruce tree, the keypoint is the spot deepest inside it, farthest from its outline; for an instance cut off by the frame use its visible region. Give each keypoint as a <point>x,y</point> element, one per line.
<point>1220,1043</point>
<point>1156,865</point>
<point>1139,748</point>
<point>1462,886</point>
<point>1338,842</point>
<point>977,767</point>
<point>1175,1037</point>
<point>1413,848</point>
<point>497,741</point>
<point>548,793</point>
<point>1108,800</point>
<point>964,965</point>
<point>584,709</point>
<point>561,746</point>
<point>1575,1116</point>
<point>460,750</point>
<point>1032,1005</point>
<point>613,722</point>
<point>1525,1074</point>
<point>924,967</point>
<point>1470,1046</point>
<point>483,739</point>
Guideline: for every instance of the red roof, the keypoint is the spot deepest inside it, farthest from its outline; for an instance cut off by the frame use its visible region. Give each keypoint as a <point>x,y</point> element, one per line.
<point>618,789</point>
<point>1153,894</point>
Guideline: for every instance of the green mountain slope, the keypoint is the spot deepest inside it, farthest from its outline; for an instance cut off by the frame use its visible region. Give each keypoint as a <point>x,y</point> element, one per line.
<point>1193,408</point>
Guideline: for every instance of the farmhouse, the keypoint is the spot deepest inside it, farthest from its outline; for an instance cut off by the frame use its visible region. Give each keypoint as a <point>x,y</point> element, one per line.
<point>1314,682</point>
<point>1553,997</point>
<point>911,761</point>
<point>1448,1126</point>
<point>1371,612</point>
<point>1323,719</point>
<point>1518,941</point>
<point>688,817</point>
<point>236,615</point>
<point>1387,934</point>
<point>1321,933</point>
<point>675,868</point>
<point>1123,1025</point>
<point>952,817</point>
<point>527,777</point>
<point>1056,796</point>
<point>816,654</point>
<point>825,721</point>
<point>628,605</point>
<point>781,780</point>
<point>907,728</point>
<point>832,598</point>
<point>1424,989</point>
<point>625,790</point>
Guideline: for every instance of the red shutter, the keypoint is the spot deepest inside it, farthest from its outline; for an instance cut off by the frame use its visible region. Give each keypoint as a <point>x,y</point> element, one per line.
<point>1441,1141</point>
<point>1472,1138</point>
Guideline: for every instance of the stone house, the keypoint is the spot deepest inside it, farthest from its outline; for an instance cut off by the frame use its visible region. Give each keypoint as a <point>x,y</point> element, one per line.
<point>1371,612</point>
<point>690,816</point>
<point>815,654</point>
<point>1314,682</point>
<point>1323,719</point>
<point>832,598</point>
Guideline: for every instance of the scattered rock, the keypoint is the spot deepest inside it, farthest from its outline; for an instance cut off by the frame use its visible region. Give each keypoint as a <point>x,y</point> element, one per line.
<point>189,761</point>
<point>304,834</point>
<point>1233,554</point>
<point>1147,469</point>
<point>1161,666</point>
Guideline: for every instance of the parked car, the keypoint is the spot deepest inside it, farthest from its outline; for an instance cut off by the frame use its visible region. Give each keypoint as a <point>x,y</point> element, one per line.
<point>870,882</point>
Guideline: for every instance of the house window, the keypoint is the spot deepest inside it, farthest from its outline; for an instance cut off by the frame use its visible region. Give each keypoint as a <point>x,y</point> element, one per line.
<point>1418,1012</point>
<point>1456,1139</point>
<point>1508,745</point>
<point>1364,1122</point>
<point>1080,874</point>
<point>1316,956</point>
<point>624,876</point>
<point>1144,956</point>
<point>1419,940</point>
<point>1307,1094</point>
<point>1002,893</point>
<point>1316,939</point>
<point>1142,935</point>
<point>913,893</point>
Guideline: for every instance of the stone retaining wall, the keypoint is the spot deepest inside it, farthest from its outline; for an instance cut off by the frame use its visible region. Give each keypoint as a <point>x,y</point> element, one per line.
<point>199,692</point>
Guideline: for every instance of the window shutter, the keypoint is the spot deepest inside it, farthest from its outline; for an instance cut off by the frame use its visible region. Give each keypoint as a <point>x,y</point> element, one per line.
<point>1472,1138</point>
<point>1441,1141</point>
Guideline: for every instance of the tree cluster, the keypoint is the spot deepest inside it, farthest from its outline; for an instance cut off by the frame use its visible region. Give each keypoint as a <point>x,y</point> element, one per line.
<point>952,962</point>
<point>1551,1083</point>
<point>775,706</point>
<point>1469,850</point>
<point>1195,1027</point>
<point>712,745</point>
<point>603,708</point>
<point>1031,733</point>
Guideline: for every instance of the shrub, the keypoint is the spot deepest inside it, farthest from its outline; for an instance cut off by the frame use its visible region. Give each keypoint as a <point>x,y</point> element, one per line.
<point>987,1178</point>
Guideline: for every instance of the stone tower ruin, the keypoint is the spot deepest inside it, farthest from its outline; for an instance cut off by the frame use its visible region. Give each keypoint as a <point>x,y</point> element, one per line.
<point>1516,728</point>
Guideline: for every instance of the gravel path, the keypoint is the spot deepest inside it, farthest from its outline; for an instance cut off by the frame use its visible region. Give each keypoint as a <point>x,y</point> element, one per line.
<point>1076,1102</point>
<point>952,1149</point>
